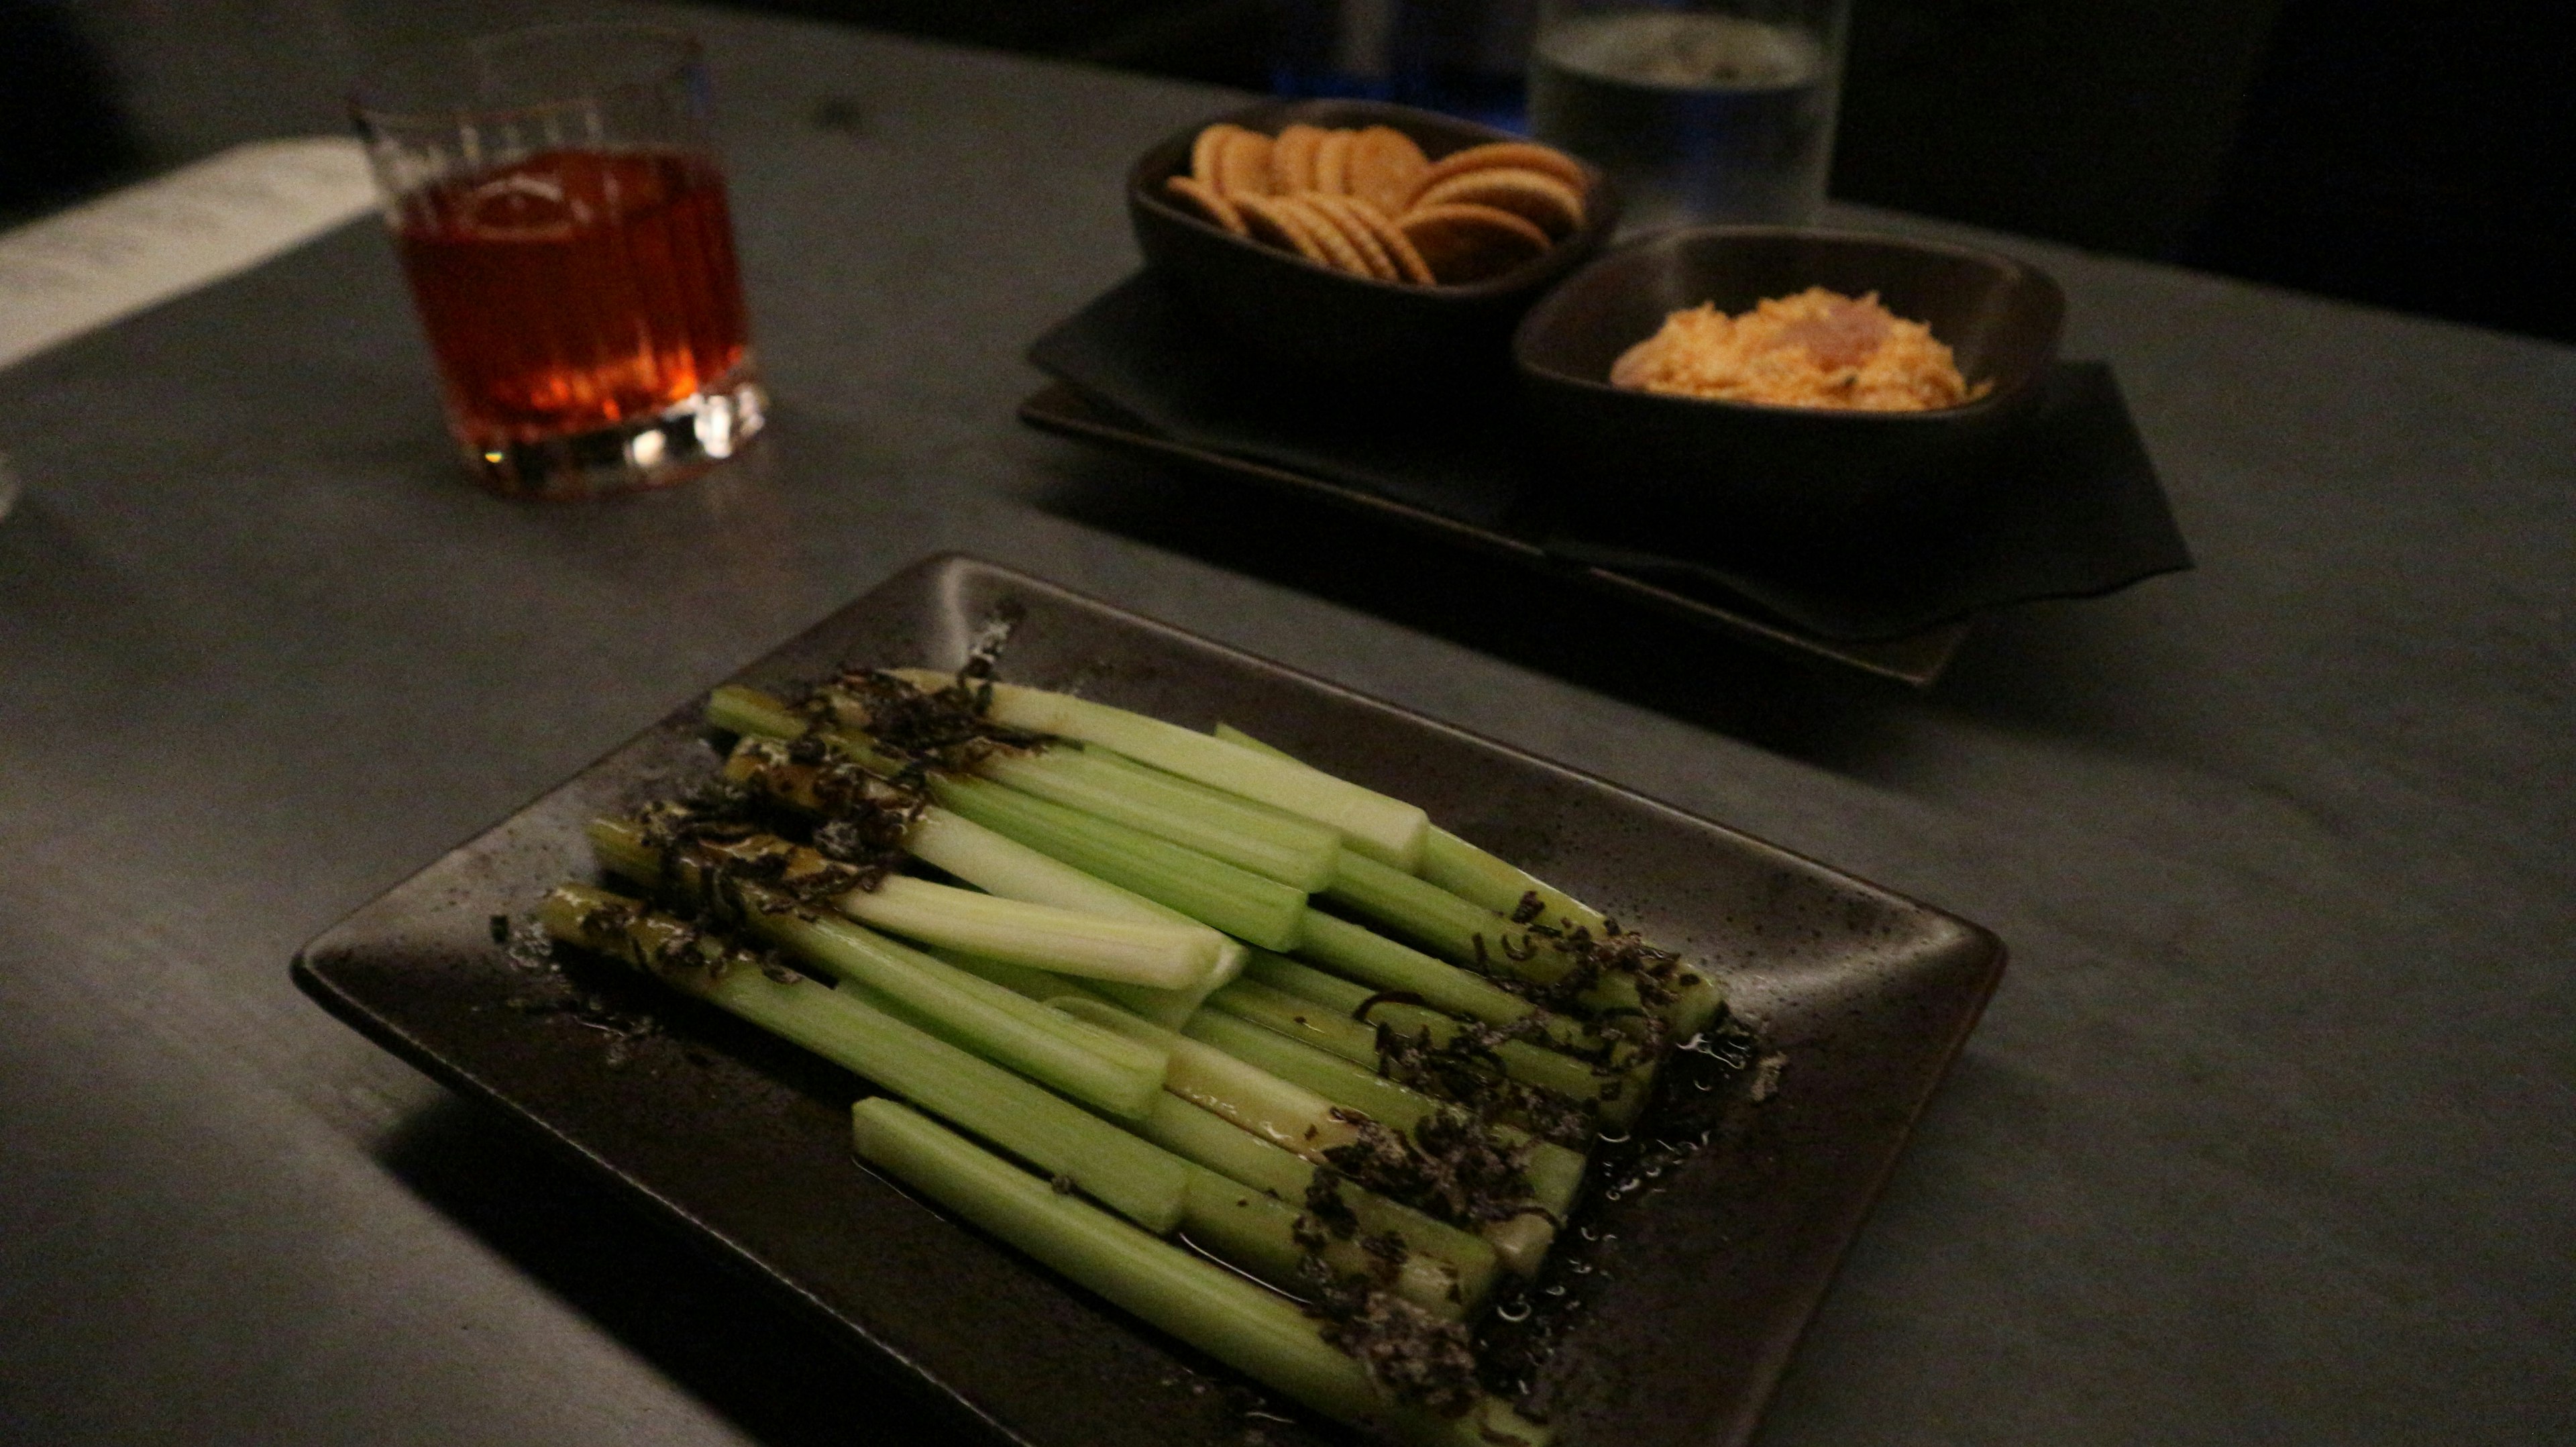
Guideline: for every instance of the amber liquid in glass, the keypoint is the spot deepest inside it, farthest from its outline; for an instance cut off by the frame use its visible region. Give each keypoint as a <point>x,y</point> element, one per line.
<point>574,290</point>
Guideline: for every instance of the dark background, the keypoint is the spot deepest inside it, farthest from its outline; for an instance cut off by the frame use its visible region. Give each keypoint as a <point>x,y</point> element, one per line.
<point>2407,155</point>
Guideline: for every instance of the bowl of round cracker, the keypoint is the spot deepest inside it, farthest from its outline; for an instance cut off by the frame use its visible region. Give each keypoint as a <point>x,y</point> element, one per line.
<point>1365,247</point>
<point>1733,391</point>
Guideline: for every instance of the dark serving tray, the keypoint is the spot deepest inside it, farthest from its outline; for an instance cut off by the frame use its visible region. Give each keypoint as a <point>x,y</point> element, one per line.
<point>1917,659</point>
<point>1681,1316</point>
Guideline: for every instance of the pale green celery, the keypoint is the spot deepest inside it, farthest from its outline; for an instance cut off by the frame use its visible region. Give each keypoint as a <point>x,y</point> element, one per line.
<point>1239,1323</point>
<point>1372,958</point>
<point>1022,1035</point>
<point>1090,1037</point>
<point>1356,1087</point>
<point>1259,1234</point>
<point>1465,870</point>
<point>1299,1019</point>
<point>1481,878</point>
<point>1020,980</point>
<point>1559,1059</point>
<point>1237,901</point>
<point>1296,852</point>
<point>1008,869</point>
<point>1238,1155</point>
<point>1167,1008</point>
<point>1157,953</point>
<point>1003,866</point>
<point>1308,983</point>
<point>752,713</point>
<point>1304,1118</point>
<point>1555,1172</point>
<point>1613,1096</point>
<point>1473,877</point>
<point>1383,828</point>
<point>1146,1185</point>
<point>1290,1116</point>
<point>1247,1227</point>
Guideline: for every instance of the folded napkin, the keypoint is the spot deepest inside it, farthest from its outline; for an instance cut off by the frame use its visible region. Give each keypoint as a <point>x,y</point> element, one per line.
<point>2071,507</point>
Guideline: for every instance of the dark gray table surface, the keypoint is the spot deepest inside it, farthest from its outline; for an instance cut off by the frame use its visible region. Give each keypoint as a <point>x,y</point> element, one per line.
<point>2268,1136</point>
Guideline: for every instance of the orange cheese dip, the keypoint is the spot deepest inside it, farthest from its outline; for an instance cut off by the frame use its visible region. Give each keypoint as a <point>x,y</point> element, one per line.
<point>1816,349</point>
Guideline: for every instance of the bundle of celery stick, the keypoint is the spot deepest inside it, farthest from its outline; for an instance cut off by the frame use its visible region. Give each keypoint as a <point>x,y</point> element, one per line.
<point>1121,982</point>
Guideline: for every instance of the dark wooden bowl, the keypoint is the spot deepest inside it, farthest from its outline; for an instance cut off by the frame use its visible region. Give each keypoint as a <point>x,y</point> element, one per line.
<point>1738,481</point>
<point>1325,328</point>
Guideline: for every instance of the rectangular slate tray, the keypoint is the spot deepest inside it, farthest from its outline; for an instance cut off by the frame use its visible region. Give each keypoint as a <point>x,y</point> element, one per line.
<point>1917,659</point>
<point>1670,1326</point>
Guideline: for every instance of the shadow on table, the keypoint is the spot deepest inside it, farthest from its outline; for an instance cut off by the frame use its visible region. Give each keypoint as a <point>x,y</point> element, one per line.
<point>709,1328</point>
<point>1808,710</point>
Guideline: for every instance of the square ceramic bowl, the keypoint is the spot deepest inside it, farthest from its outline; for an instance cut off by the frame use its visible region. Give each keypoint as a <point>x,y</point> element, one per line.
<point>1327,329</point>
<point>1732,480</point>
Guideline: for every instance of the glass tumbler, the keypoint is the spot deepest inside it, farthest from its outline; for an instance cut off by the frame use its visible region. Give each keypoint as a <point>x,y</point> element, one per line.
<point>1705,110</point>
<point>556,200</point>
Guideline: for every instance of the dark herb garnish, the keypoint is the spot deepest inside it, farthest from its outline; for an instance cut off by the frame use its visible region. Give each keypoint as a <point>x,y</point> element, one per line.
<point>1468,1070</point>
<point>1415,1356</point>
<point>1451,1166</point>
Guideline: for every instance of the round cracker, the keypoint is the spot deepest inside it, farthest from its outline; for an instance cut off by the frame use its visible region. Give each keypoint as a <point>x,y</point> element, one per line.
<point>1207,202</point>
<point>1524,154</point>
<point>1276,226</point>
<point>1292,159</point>
<point>1409,265</point>
<point>1203,152</point>
<point>1327,234</point>
<point>1341,213</point>
<point>1385,168</point>
<point>1333,163</point>
<point>1463,243</point>
<point>1243,164</point>
<point>1536,197</point>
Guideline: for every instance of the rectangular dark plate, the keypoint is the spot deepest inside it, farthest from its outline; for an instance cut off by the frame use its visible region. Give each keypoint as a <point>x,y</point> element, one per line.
<point>1679,1326</point>
<point>1916,659</point>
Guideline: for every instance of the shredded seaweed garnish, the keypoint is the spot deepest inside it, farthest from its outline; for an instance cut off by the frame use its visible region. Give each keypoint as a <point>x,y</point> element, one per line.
<point>722,860</point>
<point>1660,976</point>
<point>1451,1166</point>
<point>1413,1355</point>
<point>1467,1069</point>
<point>865,819</point>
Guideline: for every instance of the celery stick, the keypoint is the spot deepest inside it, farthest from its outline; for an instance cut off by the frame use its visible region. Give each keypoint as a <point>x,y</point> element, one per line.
<point>752,713</point>
<point>1025,1036</point>
<point>1210,1140</point>
<point>1237,901</point>
<point>1258,1234</point>
<point>1162,955</point>
<point>1480,878</point>
<point>1287,1115</point>
<point>1470,935</point>
<point>1166,1008</point>
<point>1296,852</point>
<point>1354,950</point>
<point>1358,1087</point>
<point>1383,828</point>
<point>1146,1185</point>
<point>1304,1020</point>
<point>1555,1172</point>
<point>1005,867</point>
<point>1319,1025</point>
<point>1560,1058</point>
<point>1220,1313</point>
<point>1473,877</point>
<point>1467,871</point>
